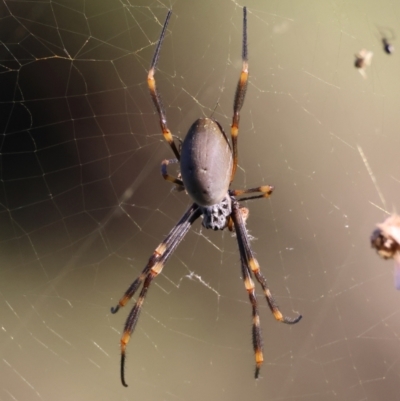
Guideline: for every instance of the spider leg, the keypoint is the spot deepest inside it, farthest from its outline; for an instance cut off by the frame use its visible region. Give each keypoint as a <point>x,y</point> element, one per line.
<point>266,191</point>
<point>170,178</point>
<point>239,96</point>
<point>153,268</point>
<point>247,257</point>
<point>176,233</point>
<point>244,244</point>
<point>245,214</point>
<point>151,83</point>
<point>256,328</point>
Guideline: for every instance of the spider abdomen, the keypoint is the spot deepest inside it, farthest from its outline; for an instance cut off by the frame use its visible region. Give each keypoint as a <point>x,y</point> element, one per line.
<point>206,162</point>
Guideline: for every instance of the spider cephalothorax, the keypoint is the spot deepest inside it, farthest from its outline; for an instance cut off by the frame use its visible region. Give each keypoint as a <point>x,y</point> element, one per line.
<point>208,165</point>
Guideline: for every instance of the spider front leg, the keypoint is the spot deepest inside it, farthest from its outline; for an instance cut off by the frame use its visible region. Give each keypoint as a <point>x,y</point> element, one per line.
<point>153,268</point>
<point>151,83</point>
<point>249,262</point>
<point>239,96</point>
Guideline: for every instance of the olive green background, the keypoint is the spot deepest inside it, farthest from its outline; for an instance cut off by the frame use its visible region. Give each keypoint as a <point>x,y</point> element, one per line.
<point>83,204</point>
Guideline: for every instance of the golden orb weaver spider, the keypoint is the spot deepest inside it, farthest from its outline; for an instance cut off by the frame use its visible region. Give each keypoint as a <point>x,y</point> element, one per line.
<point>208,165</point>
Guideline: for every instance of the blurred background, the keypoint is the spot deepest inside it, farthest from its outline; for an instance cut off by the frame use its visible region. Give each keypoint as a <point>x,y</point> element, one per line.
<point>83,204</point>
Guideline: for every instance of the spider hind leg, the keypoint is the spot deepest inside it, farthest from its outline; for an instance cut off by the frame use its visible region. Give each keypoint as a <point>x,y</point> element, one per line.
<point>153,268</point>
<point>250,265</point>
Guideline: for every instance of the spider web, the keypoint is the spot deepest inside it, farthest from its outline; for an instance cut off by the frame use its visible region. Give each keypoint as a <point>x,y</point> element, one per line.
<point>83,204</point>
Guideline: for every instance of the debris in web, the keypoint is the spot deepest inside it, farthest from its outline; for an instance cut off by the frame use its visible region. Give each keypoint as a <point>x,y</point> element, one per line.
<point>386,240</point>
<point>363,60</point>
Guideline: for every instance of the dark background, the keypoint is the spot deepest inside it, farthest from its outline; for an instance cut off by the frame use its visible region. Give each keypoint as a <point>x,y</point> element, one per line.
<point>83,205</point>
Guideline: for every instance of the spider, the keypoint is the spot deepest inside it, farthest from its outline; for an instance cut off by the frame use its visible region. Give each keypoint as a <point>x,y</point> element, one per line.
<point>208,164</point>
